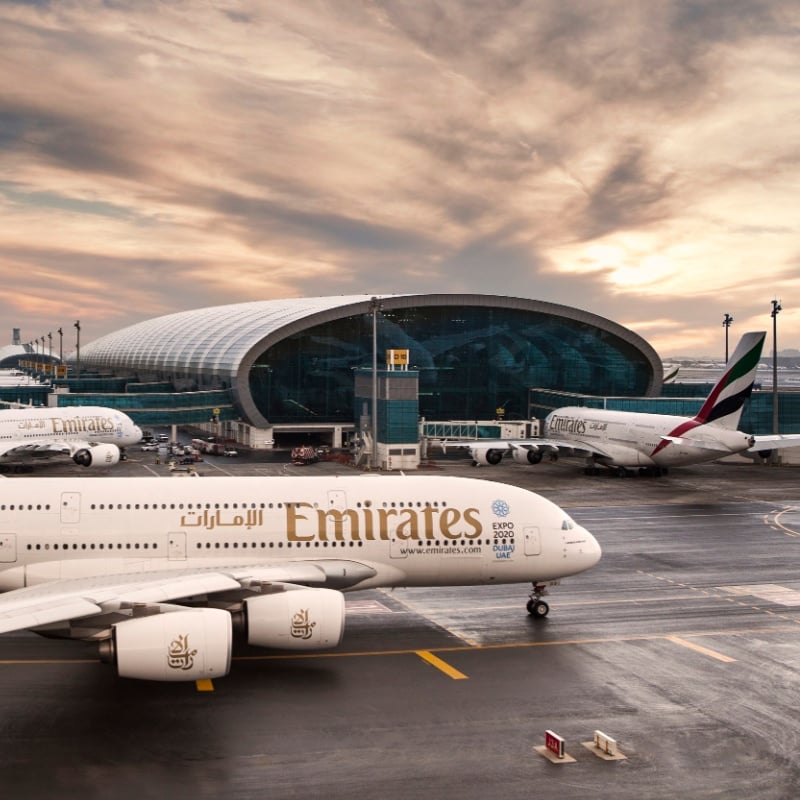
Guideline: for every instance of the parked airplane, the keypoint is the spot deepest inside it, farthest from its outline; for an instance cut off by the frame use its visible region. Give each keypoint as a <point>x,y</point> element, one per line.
<point>623,440</point>
<point>160,572</point>
<point>91,436</point>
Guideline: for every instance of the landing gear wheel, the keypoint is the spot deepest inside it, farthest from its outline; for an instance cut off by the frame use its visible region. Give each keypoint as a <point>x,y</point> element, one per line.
<point>538,608</point>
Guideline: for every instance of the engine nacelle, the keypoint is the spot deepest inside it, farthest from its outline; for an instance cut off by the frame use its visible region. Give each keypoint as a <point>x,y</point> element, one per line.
<point>522,456</point>
<point>295,619</point>
<point>487,455</point>
<point>98,455</point>
<point>172,646</point>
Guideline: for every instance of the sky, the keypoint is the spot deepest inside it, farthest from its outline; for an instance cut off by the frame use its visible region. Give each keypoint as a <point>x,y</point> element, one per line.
<point>638,159</point>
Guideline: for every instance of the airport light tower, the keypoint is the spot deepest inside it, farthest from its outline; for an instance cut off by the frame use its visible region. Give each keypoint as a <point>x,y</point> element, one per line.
<point>776,309</point>
<point>726,323</point>
<point>78,348</point>
<point>374,307</point>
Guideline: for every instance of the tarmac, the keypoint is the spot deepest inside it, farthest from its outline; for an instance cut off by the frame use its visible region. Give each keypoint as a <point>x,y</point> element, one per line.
<point>682,645</point>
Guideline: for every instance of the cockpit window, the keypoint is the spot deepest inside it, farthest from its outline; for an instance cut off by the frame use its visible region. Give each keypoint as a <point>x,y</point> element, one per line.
<point>567,524</point>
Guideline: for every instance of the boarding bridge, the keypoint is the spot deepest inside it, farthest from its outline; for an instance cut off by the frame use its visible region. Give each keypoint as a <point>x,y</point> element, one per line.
<point>468,431</point>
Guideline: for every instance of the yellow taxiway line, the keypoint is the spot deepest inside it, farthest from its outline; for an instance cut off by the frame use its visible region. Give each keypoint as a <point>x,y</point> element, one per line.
<point>442,665</point>
<point>700,649</point>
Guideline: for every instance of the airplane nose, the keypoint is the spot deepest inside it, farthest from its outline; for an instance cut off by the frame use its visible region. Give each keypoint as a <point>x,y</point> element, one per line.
<point>595,551</point>
<point>584,551</point>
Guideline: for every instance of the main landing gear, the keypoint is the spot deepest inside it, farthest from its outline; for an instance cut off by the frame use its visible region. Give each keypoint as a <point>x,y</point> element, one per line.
<point>537,607</point>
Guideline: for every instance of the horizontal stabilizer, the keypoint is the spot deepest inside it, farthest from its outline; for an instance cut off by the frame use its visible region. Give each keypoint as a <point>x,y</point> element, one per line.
<point>774,442</point>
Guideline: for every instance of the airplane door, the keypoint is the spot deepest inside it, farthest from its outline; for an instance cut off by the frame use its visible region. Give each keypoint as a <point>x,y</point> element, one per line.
<point>177,547</point>
<point>533,543</point>
<point>8,547</point>
<point>70,508</point>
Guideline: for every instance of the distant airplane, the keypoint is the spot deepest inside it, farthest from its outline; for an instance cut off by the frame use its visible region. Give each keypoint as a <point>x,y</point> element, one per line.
<point>623,440</point>
<point>161,572</point>
<point>92,436</point>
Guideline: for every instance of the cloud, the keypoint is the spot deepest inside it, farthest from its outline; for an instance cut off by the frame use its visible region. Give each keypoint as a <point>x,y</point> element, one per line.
<point>637,161</point>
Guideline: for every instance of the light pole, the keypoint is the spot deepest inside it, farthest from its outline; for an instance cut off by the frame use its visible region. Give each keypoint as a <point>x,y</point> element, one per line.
<point>60,346</point>
<point>776,309</point>
<point>78,349</point>
<point>726,323</point>
<point>50,344</point>
<point>374,307</point>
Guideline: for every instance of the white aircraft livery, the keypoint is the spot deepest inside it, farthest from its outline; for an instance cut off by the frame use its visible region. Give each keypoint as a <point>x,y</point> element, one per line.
<point>92,436</point>
<point>162,572</point>
<point>623,440</point>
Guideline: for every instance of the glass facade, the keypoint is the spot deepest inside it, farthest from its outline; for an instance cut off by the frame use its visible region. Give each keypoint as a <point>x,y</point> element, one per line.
<point>471,360</point>
<point>289,361</point>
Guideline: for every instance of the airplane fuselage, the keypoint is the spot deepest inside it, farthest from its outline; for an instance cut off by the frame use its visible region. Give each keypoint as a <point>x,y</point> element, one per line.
<point>644,440</point>
<point>409,531</point>
<point>92,423</point>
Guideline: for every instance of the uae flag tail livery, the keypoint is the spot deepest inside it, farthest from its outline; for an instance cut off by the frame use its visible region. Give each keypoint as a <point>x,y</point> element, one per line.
<point>724,405</point>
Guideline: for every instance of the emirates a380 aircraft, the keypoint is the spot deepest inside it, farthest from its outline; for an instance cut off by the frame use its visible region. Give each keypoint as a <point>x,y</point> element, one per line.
<point>92,436</point>
<point>162,572</point>
<point>625,440</point>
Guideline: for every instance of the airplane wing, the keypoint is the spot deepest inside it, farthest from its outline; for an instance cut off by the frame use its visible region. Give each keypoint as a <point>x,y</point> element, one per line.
<point>95,600</point>
<point>774,441</point>
<point>534,447</point>
<point>85,453</point>
<point>31,451</point>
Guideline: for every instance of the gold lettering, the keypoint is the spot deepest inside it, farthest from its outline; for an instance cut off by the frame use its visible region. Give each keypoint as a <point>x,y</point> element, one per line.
<point>292,516</point>
<point>472,519</point>
<point>369,533</point>
<point>383,521</point>
<point>65,425</point>
<point>430,531</point>
<point>408,528</point>
<point>338,518</point>
<point>448,518</point>
<point>365,524</point>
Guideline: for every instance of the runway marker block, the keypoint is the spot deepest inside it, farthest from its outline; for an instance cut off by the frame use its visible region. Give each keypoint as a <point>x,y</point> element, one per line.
<point>604,747</point>
<point>553,749</point>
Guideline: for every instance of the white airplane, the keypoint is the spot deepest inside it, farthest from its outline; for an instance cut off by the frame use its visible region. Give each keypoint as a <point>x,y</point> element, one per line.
<point>161,572</point>
<point>622,440</point>
<point>92,436</point>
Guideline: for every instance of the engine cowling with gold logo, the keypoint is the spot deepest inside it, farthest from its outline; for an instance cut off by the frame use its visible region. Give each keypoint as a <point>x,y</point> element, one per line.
<point>99,455</point>
<point>295,618</point>
<point>530,456</point>
<point>184,645</point>
<point>487,455</point>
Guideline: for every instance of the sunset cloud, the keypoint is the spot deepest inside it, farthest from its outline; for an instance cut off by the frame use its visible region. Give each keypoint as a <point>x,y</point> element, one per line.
<point>638,161</point>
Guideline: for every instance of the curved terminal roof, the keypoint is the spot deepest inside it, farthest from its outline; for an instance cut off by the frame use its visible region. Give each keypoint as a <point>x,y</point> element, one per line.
<point>217,346</point>
<point>10,354</point>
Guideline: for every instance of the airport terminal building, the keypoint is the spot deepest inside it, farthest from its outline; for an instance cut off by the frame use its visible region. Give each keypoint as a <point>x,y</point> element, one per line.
<point>290,363</point>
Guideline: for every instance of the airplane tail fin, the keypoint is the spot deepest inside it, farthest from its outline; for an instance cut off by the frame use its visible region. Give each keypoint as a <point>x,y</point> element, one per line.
<point>724,405</point>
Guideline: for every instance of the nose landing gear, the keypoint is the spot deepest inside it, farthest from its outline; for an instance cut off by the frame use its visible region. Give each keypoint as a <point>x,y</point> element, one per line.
<point>537,607</point>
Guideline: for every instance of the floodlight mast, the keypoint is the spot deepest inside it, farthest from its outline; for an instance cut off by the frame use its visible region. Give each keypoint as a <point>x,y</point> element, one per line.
<point>374,307</point>
<point>776,309</point>
<point>726,323</point>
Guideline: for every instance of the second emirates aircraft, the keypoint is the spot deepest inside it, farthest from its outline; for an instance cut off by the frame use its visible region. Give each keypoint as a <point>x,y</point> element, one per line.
<point>624,440</point>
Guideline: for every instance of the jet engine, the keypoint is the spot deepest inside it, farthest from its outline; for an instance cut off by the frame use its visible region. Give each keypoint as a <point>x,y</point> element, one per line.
<point>181,645</point>
<point>522,456</point>
<point>486,455</point>
<point>98,455</point>
<point>296,619</point>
